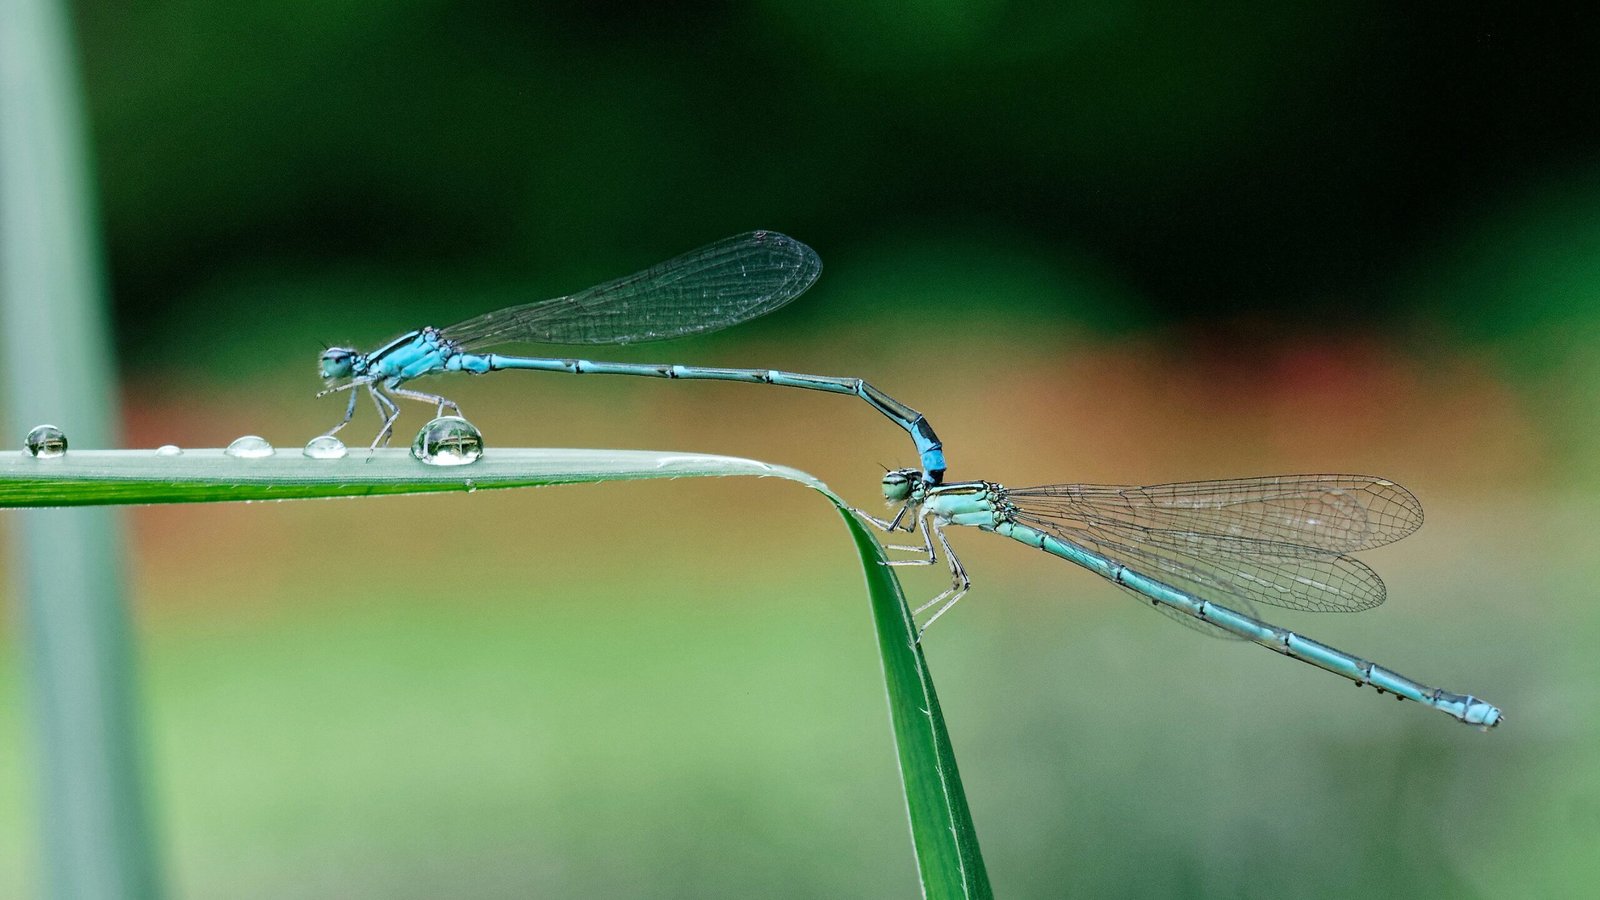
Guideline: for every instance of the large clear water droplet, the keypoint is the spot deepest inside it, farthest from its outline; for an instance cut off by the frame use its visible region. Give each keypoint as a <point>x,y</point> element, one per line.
<point>169,450</point>
<point>249,447</point>
<point>448,441</point>
<point>46,442</point>
<point>326,447</point>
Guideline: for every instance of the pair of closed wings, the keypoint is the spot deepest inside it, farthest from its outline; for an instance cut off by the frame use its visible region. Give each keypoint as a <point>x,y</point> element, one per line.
<point>1281,540</point>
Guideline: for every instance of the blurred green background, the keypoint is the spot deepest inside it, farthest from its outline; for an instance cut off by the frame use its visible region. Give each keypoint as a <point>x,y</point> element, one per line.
<point>1119,242</point>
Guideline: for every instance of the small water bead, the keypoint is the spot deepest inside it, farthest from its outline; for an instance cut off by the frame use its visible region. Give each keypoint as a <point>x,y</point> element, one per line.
<point>249,447</point>
<point>45,442</point>
<point>448,441</point>
<point>326,447</point>
<point>169,450</point>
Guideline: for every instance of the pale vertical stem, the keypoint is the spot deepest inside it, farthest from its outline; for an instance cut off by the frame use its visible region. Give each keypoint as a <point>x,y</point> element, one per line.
<point>94,832</point>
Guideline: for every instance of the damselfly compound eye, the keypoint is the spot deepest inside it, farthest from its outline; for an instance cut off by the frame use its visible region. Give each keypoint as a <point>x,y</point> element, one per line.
<point>337,362</point>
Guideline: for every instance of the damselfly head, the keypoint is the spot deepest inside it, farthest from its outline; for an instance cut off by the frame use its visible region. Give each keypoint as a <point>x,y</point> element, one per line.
<point>337,362</point>
<point>897,484</point>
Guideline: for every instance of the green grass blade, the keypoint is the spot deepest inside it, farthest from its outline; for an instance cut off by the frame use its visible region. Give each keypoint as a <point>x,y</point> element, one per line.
<point>941,827</point>
<point>100,477</point>
<point>941,824</point>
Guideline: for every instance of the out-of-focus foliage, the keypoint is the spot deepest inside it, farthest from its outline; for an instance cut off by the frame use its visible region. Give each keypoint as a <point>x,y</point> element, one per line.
<point>1280,161</point>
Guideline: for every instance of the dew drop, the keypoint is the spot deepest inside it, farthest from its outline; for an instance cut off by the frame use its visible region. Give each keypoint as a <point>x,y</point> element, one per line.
<point>169,450</point>
<point>448,441</point>
<point>249,447</point>
<point>46,442</point>
<point>326,447</point>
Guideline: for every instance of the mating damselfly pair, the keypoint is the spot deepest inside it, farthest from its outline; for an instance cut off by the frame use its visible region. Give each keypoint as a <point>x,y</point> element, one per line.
<point>1204,553</point>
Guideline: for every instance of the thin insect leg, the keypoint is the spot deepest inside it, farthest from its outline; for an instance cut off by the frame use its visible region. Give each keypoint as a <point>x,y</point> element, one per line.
<point>885,524</point>
<point>388,410</point>
<point>958,587</point>
<point>349,413</point>
<point>922,521</point>
<point>958,576</point>
<point>353,383</point>
<point>942,610</point>
<point>435,399</point>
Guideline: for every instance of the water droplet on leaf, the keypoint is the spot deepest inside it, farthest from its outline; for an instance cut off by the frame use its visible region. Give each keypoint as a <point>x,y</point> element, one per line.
<point>249,447</point>
<point>46,442</point>
<point>326,447</point>
<point>448,441</point>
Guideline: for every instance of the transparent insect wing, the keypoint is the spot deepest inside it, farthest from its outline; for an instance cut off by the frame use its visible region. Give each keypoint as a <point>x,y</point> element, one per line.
<point>1321,514</point>
<point>1274,573</point>
<point>717,286</point>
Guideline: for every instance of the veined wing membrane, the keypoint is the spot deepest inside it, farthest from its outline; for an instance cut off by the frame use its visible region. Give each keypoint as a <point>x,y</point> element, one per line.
<point>719,285</point>
<point>1274,516</point>
<point>1326,583</point>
